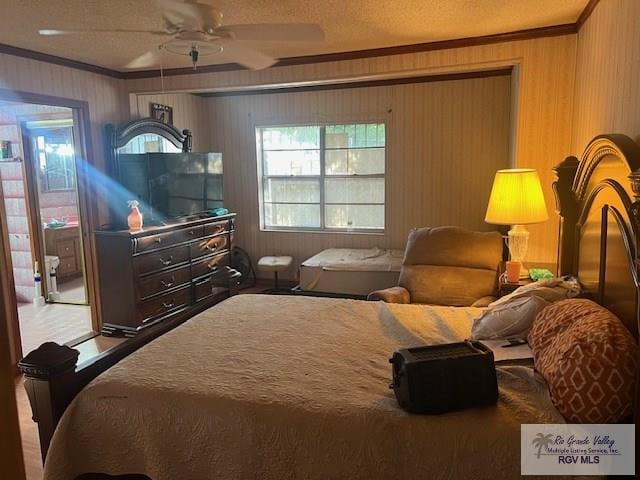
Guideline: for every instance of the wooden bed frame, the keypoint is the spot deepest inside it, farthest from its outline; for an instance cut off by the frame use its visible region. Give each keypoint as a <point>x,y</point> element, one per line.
<point>598,199</point>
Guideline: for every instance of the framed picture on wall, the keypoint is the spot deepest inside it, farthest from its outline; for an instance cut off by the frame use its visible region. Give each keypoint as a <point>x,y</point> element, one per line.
<point>164,113</point>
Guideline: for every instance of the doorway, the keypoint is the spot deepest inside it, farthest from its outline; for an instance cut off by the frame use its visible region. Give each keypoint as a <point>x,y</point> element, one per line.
<point>50,146</point>
<point>41,206</point>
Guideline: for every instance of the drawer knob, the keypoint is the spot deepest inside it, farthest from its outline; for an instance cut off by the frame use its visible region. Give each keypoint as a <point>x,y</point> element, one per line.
<point>169,283</point>
<point>166,261</point>
<point>170,304</point>
<point>158,241</point>
<point>191,232</point>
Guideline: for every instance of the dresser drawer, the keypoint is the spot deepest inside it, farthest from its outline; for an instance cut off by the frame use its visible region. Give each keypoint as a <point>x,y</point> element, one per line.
<point>68,266</point>
<point>67,232</point>
<point>209,265</point>
<point>162,240</point>
<point>156,261</point>
<point>153,284</point>
<point>164,304</point>
<point>66,248</point>
<point>206,288</point>
<point>210,245</point>
<point>203,289</point>
<point>217,228</point>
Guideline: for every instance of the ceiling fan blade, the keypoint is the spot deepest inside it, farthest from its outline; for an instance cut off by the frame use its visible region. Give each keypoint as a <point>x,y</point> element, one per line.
<point>179,13</point>
<point>54,32</point>
<point>245,56</point>
<point>171,19</point>
<point>145,60</point>
<point>274,32</point>
<point>190,14</point>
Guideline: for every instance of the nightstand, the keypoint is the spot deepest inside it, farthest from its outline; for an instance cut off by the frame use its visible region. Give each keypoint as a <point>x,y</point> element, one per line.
<point>504,287</point>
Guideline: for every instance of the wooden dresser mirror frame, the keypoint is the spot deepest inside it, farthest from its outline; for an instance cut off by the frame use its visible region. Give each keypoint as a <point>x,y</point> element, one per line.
<point>117,137</point>
<point>598,200</point>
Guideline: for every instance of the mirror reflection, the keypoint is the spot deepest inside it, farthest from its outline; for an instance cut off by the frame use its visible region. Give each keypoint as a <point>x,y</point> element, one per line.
<point>52,146</point>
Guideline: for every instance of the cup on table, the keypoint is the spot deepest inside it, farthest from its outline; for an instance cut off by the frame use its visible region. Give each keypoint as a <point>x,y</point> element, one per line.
<point>513,271</point>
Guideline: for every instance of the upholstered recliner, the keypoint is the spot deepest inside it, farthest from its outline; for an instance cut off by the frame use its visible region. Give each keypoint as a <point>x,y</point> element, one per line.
<point>447,266</point>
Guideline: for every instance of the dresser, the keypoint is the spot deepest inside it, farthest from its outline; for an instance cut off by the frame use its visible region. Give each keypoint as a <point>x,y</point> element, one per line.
<point>64,243</point>
<point>160,272</point>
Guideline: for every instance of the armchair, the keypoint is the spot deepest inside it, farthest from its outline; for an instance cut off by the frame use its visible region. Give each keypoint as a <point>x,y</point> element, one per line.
<point>447,266</point>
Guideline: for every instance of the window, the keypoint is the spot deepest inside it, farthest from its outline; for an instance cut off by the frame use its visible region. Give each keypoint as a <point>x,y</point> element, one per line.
<point>54,148</point>
<point>322,177</point>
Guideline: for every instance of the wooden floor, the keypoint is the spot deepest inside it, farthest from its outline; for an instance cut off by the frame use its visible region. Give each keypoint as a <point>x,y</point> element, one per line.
<point>73,291</point>
<point>29,434</point>
<point>28,429</point>
<point>53,322</point>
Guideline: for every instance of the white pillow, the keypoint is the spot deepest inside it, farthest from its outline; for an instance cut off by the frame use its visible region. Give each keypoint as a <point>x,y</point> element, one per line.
<point>508,320</point>
<point>550,289</point>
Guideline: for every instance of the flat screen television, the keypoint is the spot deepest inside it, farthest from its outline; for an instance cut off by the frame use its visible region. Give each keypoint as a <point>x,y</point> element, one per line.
<point>168,185</point>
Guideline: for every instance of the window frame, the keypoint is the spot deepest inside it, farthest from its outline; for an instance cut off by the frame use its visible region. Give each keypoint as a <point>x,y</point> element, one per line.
<point>258,132</point>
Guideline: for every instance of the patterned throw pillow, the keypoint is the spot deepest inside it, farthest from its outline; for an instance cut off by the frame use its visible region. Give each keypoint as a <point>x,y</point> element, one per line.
<point>588,358</point>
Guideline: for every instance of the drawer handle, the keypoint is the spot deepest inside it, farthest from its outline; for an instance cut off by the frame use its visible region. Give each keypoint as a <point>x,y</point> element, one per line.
<point>168,284</point>
<point>167,305</point>
<point>166,261</point>
<point>158,241</point>
<point>191,232</point>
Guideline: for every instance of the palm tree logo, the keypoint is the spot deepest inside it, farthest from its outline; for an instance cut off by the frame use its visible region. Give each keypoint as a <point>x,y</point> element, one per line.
<point>540,441</point>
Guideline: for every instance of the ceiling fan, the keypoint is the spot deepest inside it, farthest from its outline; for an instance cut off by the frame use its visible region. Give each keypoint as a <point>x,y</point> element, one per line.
<point>195,29</point>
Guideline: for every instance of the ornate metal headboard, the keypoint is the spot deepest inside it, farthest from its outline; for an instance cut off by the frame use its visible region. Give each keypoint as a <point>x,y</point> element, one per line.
<point>598,199</point>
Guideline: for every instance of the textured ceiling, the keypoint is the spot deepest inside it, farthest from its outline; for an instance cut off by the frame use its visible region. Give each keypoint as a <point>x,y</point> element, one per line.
<point>348,24</point>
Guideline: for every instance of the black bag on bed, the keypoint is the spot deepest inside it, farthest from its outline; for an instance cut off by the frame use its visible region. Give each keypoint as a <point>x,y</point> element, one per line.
<point>442,378</point>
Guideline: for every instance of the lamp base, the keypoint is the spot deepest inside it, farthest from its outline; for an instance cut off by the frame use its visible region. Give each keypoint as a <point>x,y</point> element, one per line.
<point>518,245</point>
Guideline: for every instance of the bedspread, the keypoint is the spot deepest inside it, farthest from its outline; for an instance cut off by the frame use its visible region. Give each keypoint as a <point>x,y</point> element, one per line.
<point>284,387</point>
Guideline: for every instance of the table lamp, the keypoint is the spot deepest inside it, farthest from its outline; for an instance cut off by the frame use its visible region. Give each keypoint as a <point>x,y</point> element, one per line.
<point>516,199</point>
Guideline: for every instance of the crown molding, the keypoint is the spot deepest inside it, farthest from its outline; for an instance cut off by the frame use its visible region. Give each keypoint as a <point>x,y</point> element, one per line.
<point>518,35</point>
<point>552,31</point>
<point>586,13</point>
<point>434,77</point>
<point>65,62</point>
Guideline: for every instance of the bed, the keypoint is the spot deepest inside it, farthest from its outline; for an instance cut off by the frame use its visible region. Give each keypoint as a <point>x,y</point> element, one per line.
<point>290,387</point>
<point>245,391</point>
<point>352,271</point>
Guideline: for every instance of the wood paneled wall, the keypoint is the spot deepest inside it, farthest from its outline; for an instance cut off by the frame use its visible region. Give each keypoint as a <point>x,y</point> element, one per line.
<point>189,111</point>
<point>106,96</point>
<point>607,94</point>
<point>543,98</point>
<point>432,176</point>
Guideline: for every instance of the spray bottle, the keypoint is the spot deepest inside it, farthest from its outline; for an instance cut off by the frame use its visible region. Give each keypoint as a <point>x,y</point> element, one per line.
<point>134,220</point>
<point>38,299</point>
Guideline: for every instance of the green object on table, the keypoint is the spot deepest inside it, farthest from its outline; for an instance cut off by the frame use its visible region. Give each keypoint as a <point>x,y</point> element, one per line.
<point>55,223</point>
<point>539,273</point>
<point>217,212</point>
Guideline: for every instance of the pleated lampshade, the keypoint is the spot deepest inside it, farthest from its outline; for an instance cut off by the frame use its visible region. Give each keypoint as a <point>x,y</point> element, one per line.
<point>516,198</point>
